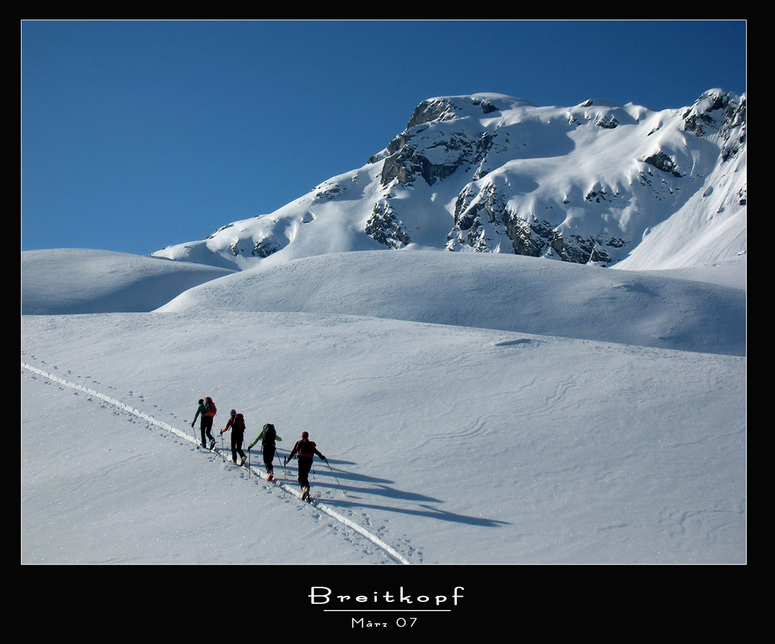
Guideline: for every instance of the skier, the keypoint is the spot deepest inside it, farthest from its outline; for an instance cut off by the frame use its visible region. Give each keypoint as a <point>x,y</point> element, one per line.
<point>237,423</point>
<point>267,437</point>
<point>207,410</point>
<point>306,449</point>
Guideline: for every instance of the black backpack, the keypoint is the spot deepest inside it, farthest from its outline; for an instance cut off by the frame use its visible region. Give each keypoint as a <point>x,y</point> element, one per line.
<point>269,434</point>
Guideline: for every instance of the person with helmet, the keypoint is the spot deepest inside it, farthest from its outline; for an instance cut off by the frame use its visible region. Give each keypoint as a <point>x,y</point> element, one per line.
<point>306,450</point>
<point>268,436</point>
<point>237,424</point>
<point>207,410</point>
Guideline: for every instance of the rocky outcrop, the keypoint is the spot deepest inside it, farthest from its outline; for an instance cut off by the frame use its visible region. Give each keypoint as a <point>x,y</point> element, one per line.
<point>383,226</point>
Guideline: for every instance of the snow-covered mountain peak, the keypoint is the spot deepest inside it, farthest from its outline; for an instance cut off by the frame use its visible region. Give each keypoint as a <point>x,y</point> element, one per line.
<point>715,111</point>
<point>445,108</point>
<point>494,173</point>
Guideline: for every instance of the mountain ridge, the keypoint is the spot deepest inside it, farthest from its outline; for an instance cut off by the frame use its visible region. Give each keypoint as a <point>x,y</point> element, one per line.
<point>493,173</point>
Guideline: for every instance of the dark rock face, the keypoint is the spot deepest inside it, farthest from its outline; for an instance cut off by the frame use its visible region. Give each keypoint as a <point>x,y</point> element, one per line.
<point>384,227</point>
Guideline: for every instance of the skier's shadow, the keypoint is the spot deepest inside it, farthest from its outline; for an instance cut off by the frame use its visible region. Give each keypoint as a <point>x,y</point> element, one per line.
<point>355,484</point>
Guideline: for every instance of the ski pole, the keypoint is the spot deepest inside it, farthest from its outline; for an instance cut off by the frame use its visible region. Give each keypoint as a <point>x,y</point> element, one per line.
<point>277,454</point>
<point>332,472</point>
<point>336,479</point>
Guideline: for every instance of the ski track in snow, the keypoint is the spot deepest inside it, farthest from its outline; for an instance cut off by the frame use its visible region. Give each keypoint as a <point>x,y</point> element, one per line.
<point>391,552</point>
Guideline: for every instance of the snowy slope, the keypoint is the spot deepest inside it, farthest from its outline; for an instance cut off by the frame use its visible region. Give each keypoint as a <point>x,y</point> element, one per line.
<point>449,443</point>
<point>710,227</point>
<point>506,292</point>
<point>72,280</point>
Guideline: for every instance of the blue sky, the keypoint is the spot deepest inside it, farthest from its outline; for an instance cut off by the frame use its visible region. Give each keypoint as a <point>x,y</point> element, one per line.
<point>141,134</point>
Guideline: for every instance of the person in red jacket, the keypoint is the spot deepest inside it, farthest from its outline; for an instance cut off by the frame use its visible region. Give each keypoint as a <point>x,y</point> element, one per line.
<point>306,450</point>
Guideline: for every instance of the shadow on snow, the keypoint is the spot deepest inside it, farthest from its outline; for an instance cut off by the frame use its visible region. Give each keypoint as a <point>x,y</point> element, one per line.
<point>359,484</point>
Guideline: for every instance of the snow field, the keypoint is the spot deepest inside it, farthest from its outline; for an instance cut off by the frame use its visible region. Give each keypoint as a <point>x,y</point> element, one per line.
<point>453,445</point>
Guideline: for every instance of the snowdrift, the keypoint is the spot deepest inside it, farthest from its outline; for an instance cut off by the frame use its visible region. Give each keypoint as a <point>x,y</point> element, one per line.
<point>492,291</point>
<point>73,280</point>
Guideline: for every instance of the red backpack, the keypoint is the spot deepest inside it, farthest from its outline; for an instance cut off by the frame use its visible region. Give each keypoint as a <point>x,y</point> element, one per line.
<point>210,409</point>
<point>305,447</point>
